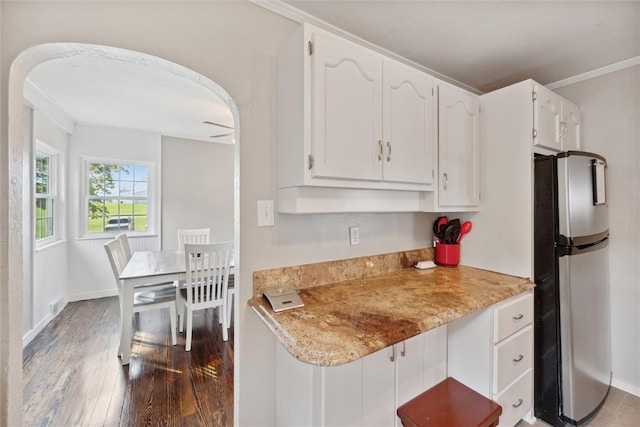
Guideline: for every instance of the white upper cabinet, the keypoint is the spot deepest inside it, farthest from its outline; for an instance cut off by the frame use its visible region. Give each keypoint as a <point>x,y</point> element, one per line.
<point>408,130</point>
<point>352,118</point>
<point>556,122</point>
<point>458,148</point>
<point>347,110</point>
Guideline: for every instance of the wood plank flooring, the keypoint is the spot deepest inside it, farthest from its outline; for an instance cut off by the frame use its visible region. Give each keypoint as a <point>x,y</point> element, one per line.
<point>72,376</point>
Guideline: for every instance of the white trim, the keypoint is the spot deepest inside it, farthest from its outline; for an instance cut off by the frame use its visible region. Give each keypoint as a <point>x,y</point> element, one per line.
<point>42,102</point>
<point>296,15</point>
<point>626,387</point>
<point>627,63</point>
<point>93,295</point>
<point>31,334</point>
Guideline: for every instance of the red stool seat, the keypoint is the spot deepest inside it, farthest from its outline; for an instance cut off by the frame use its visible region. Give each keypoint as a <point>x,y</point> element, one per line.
<point>450,404</point>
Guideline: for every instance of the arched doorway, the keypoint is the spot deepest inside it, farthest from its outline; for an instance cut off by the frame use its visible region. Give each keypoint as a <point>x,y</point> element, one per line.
<point>20,248</point>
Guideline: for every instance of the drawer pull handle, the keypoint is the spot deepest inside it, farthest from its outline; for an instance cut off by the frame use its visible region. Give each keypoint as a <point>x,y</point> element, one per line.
<point>517,405</point>
<point>518,317</point>
<point>518,359</point>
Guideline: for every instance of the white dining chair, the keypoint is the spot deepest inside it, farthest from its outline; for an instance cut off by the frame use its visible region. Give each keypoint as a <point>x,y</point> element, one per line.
<point>207,283</point>
<point>189,235</point>
<point>198,236</point>
<point>145,298</point>
<point>124,241</point>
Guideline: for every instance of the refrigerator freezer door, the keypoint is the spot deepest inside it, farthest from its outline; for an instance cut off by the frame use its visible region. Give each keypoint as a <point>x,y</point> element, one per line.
<point>579,218</point>
<point>585,331</point>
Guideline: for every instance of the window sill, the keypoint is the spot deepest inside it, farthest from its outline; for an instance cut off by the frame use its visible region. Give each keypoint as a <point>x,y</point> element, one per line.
<point>109,236</point>
<point>48,245</point>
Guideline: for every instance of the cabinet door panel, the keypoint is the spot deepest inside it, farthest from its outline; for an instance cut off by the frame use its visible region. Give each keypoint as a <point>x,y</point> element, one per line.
<point>546,119</point>
<point>407,125</point>
<point>378,389</point>
<point>409,370</point>
<point>458,146</point>
<point>343,394</point>
<point>571,120</point>
<point>347,110</point>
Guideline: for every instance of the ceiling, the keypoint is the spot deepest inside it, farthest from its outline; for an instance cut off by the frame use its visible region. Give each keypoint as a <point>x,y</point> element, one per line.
<point>479,44</point>
<point>134,95</point>
<point>486,45</point>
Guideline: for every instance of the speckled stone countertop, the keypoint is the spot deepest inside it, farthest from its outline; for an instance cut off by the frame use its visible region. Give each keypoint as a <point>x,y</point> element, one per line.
<point>349,319</point>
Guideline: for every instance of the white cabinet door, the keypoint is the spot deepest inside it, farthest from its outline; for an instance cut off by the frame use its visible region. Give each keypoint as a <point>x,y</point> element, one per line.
<point>409,370</point>
<point>346,110</point>
<point>343,398</point>
<point>571,124</point>
<point>378,387</point>
<point>458,148</point>
<point>547,110</point>
<point>407,125</point>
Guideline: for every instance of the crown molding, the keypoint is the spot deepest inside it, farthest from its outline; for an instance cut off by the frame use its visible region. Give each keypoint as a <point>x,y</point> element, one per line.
<point>627,63</point>
<point>296,15</point>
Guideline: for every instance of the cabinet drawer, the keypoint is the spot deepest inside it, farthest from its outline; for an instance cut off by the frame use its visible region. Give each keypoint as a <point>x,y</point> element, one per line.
<point>512,316</point>
<point>512,358</point>
<point>516,400</point>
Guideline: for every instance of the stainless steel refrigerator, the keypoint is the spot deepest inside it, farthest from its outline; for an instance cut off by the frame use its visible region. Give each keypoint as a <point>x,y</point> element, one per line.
<point>572,351</point>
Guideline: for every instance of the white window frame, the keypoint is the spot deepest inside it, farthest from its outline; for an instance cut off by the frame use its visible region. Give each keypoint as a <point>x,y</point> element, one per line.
<point>53,154</point>
<point>152,218</point>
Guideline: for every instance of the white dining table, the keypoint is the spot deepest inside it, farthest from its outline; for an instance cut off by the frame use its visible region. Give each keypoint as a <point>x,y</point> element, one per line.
<point>143,269</point>
<point>147,268</point>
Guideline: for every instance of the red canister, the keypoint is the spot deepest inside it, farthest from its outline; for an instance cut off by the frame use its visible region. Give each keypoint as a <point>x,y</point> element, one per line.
<point>447,255</point>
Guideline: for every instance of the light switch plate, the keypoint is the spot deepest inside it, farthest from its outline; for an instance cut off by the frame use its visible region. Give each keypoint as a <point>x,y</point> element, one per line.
<point>265,213</point>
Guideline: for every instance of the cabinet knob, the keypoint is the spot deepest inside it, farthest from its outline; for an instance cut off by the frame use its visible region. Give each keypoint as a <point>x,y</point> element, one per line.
<point>445,181</point>
<point>393,353</point>
<point>389,152</point>
<point>519,358</point>
<point>380,149</point>
<point>518,317</point>
<point>517,405</point>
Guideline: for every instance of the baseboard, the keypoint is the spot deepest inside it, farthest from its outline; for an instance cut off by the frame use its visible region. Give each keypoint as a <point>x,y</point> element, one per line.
<point>94,295</point>
<point>30,335</point>
<point>628,388</point>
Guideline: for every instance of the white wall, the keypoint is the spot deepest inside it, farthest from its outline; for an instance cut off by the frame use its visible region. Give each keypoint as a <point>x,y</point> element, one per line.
<point>89,275</point>
<point>235,44</point>
<point>197,189</point>
<point>50,267</point>
<point>610,107</point>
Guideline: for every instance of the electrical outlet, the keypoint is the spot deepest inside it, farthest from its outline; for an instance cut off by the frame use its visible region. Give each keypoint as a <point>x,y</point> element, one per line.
<point>265,213</point>
<point>354,235</point>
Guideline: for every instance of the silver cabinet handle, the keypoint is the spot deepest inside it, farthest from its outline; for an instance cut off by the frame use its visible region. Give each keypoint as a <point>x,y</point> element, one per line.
<point>517,405</point>
<point>393,353</point>
<point>403,352</point>
<point>389,153</point>
<point>519,358</point>
<point>380,148</point>
<point>518,317</point>
<point>445,181</point>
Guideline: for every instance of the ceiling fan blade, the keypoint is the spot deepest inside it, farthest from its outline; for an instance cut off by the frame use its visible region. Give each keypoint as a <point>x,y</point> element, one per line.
<point>218,124</point>
<point>221,135</point>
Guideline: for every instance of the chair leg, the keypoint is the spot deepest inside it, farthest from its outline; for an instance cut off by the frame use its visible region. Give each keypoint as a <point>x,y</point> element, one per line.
<point>182,314</point>
<point>230,297</point>
<point>189,329</point>
<point>223,317</point>
<point>172,315</point>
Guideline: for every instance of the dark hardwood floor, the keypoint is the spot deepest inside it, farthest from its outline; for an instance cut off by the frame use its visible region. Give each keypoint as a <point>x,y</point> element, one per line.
<point>72,376</point>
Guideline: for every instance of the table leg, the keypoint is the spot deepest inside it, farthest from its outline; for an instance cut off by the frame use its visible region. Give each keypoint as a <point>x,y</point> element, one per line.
<point>125,327</point>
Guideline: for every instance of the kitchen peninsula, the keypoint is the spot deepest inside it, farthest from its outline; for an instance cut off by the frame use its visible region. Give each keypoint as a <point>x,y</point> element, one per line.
<point>375,307</point>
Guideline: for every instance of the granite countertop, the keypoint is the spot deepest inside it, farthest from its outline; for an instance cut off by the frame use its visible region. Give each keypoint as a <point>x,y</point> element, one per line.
<point>346,320</point>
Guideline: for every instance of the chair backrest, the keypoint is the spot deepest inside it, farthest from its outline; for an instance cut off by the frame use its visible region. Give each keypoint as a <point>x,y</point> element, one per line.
<point>198,236</point>
<point>124,241</point>
<point>207,271</point>
<point>117,259</point>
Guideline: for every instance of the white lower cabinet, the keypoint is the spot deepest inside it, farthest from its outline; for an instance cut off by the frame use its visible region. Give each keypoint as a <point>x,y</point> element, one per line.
<point>365,392</point>
<point>491,351</point>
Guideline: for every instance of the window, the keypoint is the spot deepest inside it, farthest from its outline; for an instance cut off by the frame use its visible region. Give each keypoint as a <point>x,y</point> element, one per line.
<point>45,193</point>
<point>118,197</point>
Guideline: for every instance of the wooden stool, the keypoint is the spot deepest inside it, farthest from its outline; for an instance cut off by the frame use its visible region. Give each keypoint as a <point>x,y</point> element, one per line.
<point>450,404</point>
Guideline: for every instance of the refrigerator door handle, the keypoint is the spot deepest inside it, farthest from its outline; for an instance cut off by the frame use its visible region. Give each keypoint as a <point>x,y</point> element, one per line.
<point>582,249</point>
